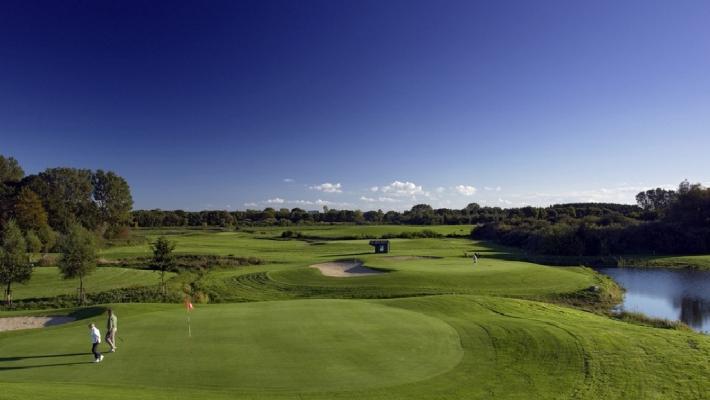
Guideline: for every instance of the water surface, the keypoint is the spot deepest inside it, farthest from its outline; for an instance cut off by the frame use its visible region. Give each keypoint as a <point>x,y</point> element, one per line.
<point>675,294</point>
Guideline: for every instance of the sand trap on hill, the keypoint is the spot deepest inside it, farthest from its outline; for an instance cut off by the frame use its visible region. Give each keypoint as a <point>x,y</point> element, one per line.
<point>15,323</point>
<point>345,269</point>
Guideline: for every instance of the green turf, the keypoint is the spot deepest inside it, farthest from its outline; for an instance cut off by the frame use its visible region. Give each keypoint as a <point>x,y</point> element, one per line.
<point>435,326</point>
<point>47,282</point>
<point>446,347</point>
<point>257,346</point>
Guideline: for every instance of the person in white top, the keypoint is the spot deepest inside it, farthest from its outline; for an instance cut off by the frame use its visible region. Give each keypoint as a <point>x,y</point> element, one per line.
<point>95,341</point>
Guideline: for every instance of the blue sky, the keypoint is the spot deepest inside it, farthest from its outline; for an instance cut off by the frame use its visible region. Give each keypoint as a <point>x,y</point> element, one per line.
<point>232,104</point>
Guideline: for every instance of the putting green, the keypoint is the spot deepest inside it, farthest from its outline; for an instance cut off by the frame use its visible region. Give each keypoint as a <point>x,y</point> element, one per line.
<point>308,345</point>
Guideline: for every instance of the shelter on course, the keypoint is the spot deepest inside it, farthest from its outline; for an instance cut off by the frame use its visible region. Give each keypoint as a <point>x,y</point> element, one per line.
<point>381,246</point>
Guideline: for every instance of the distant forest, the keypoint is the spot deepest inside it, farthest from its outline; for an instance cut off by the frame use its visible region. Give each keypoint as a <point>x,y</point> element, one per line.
<point>664,221</point>
<point>669,222</point>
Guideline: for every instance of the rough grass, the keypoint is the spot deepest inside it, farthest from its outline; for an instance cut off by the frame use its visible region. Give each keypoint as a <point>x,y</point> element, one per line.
<point>47,282</point>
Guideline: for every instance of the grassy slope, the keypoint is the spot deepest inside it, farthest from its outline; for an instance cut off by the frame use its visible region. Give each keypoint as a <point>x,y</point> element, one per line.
<point>47,282</point>
<point>511,348</point>
<point>341,349</point>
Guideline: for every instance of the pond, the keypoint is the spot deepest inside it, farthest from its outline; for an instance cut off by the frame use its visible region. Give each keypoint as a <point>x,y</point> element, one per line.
<point>674,294</point>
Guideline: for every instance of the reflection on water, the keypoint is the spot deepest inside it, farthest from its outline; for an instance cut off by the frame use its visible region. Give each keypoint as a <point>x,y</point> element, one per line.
<point>666,293</point>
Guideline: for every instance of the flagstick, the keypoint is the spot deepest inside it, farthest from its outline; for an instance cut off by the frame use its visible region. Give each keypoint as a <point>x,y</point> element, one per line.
<point>189,329</point>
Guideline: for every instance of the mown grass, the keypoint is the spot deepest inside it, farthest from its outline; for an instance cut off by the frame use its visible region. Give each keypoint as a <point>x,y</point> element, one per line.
<point>435,326</point>
<point>449,347</point>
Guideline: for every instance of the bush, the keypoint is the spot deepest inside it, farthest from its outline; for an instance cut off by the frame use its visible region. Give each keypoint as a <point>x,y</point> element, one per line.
<point>642,319</point>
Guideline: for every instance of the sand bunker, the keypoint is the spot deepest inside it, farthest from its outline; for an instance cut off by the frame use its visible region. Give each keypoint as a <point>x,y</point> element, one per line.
<point>15,323</point>
<point>345,269</point>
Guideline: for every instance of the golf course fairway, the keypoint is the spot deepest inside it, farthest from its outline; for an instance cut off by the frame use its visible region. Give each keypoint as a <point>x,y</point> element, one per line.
<point>432,326</point>
<point>451,346</point>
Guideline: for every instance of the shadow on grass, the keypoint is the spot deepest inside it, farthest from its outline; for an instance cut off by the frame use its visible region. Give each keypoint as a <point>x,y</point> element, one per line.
<point>44,365</point>
<point>18,358</point>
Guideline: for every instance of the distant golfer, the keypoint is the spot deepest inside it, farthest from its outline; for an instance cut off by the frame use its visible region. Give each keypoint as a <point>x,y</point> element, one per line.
<point>95,340</point>
<point>111,328</point>
<point>475,258</point>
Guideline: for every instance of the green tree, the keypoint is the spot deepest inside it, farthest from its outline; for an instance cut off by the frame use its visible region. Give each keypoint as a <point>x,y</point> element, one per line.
<point>67,195</point>
<point>48,238</point>
<point>78,248</point>
<point>14,263</point>
<point>34,244</point>
<point>29,211</point>
<point>10,170</point>
<point>163,259</point>
<point>113,199</point>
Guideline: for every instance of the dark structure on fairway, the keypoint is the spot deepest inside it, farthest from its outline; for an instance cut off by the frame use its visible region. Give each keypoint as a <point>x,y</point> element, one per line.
<point>381,246</point>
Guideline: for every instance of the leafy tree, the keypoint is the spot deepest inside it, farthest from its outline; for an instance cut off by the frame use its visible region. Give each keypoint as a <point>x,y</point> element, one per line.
<point>34,244</point>
<point>163,259</point>
<point>66,194</point>
<point>78,248</point>
<point>656,199</point>
<point>113,199</point>
<point>48,237</point>
<point>29,212</point>
<point>10,173</point>
<point>10,170</point>
<point>14,263</point>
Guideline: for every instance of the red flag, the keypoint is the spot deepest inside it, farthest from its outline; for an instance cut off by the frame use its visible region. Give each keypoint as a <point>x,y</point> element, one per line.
<point>188,304</point>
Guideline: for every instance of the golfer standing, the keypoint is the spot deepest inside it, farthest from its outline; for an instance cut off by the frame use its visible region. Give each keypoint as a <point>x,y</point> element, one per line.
<point>95,340</point>
<point>111,328</point>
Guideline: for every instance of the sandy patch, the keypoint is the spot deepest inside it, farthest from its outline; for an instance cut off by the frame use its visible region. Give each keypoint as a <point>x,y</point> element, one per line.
<point>345,269</point>
<point>15,323</point>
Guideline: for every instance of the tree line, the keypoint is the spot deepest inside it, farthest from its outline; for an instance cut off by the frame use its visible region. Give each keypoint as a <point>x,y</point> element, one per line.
<point>421,214</point>
<point>669,222</point>
<point>50,202</point>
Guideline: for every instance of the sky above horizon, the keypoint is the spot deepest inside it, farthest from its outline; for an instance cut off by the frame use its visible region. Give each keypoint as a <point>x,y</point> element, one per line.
<point>360,104</point>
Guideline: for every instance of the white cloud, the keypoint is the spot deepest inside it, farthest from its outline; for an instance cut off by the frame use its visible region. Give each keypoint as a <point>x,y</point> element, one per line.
<point>619,194</point>
<point>275,200</point>
<point>398,188</point>
<point>381,199</point>
<point>440,189</point>
<point>466,190</point>
<point>251,205</point>
<point>503,201</point>
<point>490,189</point>
<point>328,187</point>
<point>321,202</point>
<point>374,189</point>
<point>301,202</point>
<point>288,180</point>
